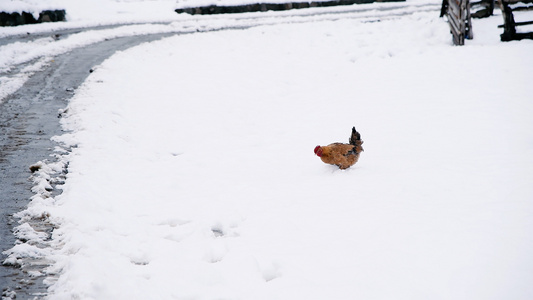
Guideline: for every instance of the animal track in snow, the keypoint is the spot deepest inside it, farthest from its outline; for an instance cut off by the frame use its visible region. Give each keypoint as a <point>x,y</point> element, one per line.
<point>271,272</point>
<point>215,252</point>
<point>220,230</point>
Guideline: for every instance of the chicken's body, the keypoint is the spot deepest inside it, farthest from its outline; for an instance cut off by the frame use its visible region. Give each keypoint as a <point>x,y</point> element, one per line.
<point>342,155</point>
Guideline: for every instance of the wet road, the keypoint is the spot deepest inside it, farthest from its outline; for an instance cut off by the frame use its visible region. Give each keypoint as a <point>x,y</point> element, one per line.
<point>28,119</point>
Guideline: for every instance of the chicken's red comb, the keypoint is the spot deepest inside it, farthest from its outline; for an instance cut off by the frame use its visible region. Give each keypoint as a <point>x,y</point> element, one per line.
<point>316,149</point>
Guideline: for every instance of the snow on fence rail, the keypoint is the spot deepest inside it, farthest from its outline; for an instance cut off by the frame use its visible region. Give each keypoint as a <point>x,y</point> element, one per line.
<point>16,18</point>
<point>509,7</point>
<point>231,9</point>
<point>481,9</point>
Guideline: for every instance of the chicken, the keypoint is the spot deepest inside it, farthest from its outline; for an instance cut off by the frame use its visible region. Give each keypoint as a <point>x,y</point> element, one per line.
<point>342,155</point>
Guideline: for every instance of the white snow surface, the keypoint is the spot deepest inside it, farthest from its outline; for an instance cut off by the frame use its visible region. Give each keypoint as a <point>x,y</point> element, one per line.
<point>108,19</point>
<point>191,173</point>
<point>80,8</point>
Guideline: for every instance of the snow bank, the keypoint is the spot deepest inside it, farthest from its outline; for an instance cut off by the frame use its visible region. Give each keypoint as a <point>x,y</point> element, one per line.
<point>30,6</point>
<point>106,10</point>
<point>98,11</point>
<point>193,175</point>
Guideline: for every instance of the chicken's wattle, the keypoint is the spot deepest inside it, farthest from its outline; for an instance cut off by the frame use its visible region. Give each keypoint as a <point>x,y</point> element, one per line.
<point>318,151</point>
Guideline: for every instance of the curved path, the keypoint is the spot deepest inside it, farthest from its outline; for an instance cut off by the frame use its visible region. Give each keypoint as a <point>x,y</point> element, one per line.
<point>29,117</point>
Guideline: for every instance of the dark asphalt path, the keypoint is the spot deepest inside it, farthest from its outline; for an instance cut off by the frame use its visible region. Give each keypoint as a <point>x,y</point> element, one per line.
<point>28,119</point>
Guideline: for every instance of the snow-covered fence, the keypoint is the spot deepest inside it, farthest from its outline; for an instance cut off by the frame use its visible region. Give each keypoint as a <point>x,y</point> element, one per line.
<point>509,7</point>
<point>232,9</point>
<point>458,14</point>
<point>16,18</point>
<point>482,8</point>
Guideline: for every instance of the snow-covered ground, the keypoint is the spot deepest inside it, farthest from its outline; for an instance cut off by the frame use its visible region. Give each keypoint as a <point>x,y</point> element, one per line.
<point>191,173</point>
<point>95,10</point>
<point>111,19</point>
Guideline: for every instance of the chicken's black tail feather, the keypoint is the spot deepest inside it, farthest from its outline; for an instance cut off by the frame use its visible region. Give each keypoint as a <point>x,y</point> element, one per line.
<point>355,139</point>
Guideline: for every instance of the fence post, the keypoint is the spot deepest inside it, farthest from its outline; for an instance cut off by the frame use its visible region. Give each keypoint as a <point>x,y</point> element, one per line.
<point>458,14</point>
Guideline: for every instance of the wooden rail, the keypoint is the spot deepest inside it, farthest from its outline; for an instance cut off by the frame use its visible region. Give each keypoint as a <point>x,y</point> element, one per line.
<point>234,9</point>
<point>15,19</point>
<point>509,7</point>
<point>482,8</point>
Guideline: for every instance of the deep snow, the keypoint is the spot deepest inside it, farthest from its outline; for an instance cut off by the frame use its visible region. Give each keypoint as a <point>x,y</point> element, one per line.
<point>191,172</point>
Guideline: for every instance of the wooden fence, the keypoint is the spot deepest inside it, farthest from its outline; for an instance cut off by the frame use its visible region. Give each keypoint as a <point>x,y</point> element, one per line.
<point>509,8</point>
<point>458,14</point>
<point>244,8</point>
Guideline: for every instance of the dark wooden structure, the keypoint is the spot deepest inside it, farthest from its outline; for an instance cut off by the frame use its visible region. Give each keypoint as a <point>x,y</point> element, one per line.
<point>482,8</point>
<point>15,19</point>
<point>233,9</point>
<point>458,14</point>
<point>509,8</point>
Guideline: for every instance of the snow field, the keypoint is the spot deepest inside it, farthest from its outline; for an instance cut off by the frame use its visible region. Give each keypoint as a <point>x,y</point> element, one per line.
<point>96,10</point>
<point>193,175</point>
<point>21,59</point>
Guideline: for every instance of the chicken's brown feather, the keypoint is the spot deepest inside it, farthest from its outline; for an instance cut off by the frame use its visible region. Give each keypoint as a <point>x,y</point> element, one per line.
<point>343,155</point>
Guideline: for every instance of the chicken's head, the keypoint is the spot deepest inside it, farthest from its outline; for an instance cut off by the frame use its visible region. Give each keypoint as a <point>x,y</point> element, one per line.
<point>318,151</point>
